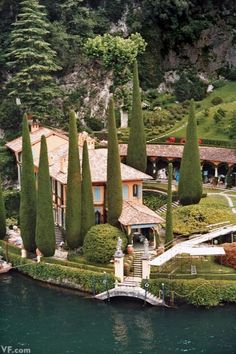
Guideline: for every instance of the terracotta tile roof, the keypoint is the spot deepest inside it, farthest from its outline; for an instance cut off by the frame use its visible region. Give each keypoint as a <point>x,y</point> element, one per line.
<point>16,144</point>
<point>138,214</point>
<point>98,166</point>
<point>58,157</point>
<point>207,153</point>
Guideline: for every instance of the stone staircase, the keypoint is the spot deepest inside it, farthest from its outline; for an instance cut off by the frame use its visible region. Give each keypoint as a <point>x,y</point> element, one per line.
<point>138,263</point>
<point>59,236</point>
<point>164,207</point>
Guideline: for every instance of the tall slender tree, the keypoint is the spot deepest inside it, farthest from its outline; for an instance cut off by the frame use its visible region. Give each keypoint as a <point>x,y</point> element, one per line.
<point>169,223</point>
<point>190,184</point>
<point>137,155</point>
<point>31,59</point>
<point>114,184</point>
<point>2,216</point>
<point>73,207</point>
<point>87,208</point>
<point>28,191</point>
<point>45,230</point>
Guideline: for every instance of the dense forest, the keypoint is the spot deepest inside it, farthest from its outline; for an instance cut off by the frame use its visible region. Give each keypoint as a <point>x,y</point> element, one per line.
<point>84,53</point>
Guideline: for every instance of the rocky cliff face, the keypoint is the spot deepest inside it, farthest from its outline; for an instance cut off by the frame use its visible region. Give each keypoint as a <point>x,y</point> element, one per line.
<point>215,49</point>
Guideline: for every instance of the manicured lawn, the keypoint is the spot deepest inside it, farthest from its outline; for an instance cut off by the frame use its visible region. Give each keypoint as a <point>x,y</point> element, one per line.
<point>204,265</point>
<point>214,200</point>
<point>207,128</point>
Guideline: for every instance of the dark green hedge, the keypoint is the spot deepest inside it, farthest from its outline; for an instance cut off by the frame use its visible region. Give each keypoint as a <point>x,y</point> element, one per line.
<point>208,276</point>
<point>11,248</point>
<point>198,292</point>
<point>83,280</point>
<point>67,263</point>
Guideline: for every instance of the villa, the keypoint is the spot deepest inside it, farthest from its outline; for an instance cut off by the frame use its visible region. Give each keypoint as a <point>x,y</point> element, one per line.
<point>135,216</point>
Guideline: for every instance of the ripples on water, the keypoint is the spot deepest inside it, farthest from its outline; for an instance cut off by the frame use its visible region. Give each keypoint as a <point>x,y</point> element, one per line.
<point>51,320</point>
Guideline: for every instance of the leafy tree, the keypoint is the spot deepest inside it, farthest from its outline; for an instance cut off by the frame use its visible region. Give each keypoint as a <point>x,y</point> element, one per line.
<point>2,216</point>
<point>137,155</point>
<point>169,223</point>
<point>45,230</point>
<point>189,86</point>
<point>190,184</point>
<point>116,53</point>
<point>73,208</point>
<point>31,59</point>
<point>87,210</point>
<point>28,191</point>
<point>114,184</point>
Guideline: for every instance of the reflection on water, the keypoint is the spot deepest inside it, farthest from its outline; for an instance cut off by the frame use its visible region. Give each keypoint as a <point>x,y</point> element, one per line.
<point>53,320</point>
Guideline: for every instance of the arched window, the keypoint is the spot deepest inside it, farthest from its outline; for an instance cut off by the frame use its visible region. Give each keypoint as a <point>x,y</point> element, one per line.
<point>98,217</point>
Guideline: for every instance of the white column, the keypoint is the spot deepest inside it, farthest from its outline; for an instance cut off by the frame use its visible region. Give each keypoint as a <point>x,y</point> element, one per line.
<point>19,175</point>
<point>119,268</point>
<point>23,253</point>
<point>145,269</point>
<point>216,171</point>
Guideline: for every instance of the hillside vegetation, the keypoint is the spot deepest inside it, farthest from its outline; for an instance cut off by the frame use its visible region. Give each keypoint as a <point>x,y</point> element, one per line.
<point>187,37</point>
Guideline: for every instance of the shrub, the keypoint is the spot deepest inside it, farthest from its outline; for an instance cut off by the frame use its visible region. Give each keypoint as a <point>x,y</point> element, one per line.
<point>195,218</point>
<point>229,259</point>
<point>81,279</point>
<point>217,100</point>
<point>198,292</point>
<point>12,203</point>
<point>189,86</point>
<point>100,243</point>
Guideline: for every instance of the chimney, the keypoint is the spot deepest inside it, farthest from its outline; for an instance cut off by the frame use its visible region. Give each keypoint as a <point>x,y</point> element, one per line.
<point>33,124</point>
<point>63,168</point>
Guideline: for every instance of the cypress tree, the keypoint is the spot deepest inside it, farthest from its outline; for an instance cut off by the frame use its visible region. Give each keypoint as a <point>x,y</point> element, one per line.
<point>114,184</point>
<point>136,154</point>
<point>190,184</point>
<point>2,216</point>
<point>28,192</point>
<point>169,224</point>
<point>73,209</point>
<point>45,231</point>
<point>87,208</point>
<point>31,59</point>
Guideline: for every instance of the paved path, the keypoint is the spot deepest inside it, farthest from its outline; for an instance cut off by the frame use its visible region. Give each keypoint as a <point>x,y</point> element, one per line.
<point>185,246</point>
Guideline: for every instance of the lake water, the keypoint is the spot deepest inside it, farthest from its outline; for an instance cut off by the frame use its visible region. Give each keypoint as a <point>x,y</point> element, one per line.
<point>51,320</point>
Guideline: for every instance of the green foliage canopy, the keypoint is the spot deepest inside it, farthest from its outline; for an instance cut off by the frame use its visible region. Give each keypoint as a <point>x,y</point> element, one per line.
<point>31,59</point>
<point>116,52</point>
<point>2,215</point>
<point>28,191</point>
<point>87,208</point>
<point>136,154</point>
<point>73,209</point>
<point>100,243</point>
<point>45,231</point>
<point>114,183</point>
<point>169,222</point>
<point>190,184</point>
